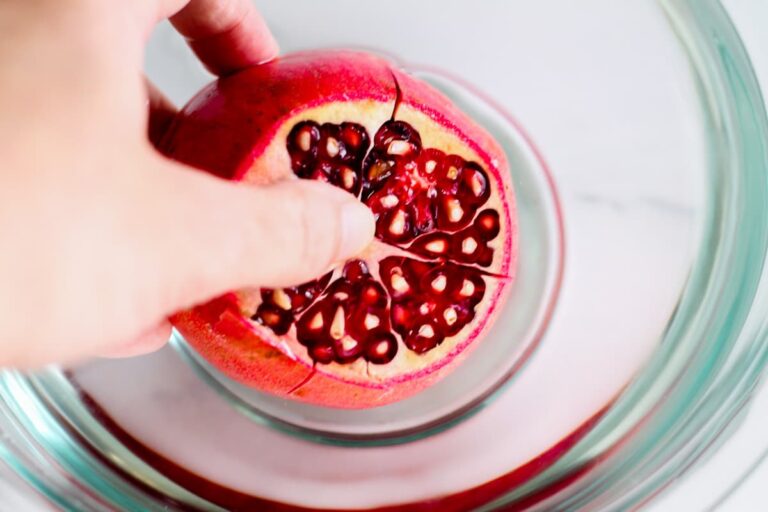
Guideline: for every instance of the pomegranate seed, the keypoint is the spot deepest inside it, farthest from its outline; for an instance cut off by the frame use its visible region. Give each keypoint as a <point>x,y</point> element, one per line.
<point>304,140</point>
<point>427,331</point>
<point>281,299</point>
<point>477,183</point>
<point>399,284</point>
<point>337,326</point>
<point>270,318</point>
<point>430,166</point>
<point>276,319</point>
<point>382,349</point>
<point>317,322</point>
<point>332,147</point>
<point>348,178</point>
<point>399,147</point>
<point>355,270</point>
<point>397,226</point>
<point>374,295</point>
<point>439,283</point>
<point>426,308</point>
<point>347,350</point>
<point>354,136</point>
<point>421,344</point>
<point>487,222</point>
<point>452,173</point>
<point>455,212</point>
<point>389,201</point>
<point>436,246</point>
<point>322,353</point>
<point>468,245</point>
<point>397,131</point>
<point>467,288</point>
<point>486,258</point>
<point>450,316</point>
<point>379,171</point>
<point>400,315</point>
<point>371,321</point>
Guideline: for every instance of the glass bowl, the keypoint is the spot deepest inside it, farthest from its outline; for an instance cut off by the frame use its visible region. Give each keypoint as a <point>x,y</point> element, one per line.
<point>636,332</point>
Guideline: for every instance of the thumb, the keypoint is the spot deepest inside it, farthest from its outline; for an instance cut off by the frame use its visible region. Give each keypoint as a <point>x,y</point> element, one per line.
<point>215,236</point>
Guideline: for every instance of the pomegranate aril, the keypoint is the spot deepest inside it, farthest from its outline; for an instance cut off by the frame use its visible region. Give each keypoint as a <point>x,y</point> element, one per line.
<point>471,289</point>
<point>450,316</point>
<point>322,353</point>
<point>394,226</point>
<point>348,178</point>
<point>397,224</point>
<point>400,148</point>
<point>373,294</point>
<point>431,162</point>
<point>381,348</point>
<point>281,299</point>
<point>474,189</point>
<point>303,295</point>
<point>332,147</point>
<point>453,320</point>
<point>355,138</point>
<point>449,177</point>
<point>338,324</point>
<point>424,338</point>
<point>302,146</point>
<point>355,270</point>
<point>347,349</point>
<point>392,131</point>
<point>487,224</point>
<point>452,213</point>
<point>389,201</point>
<point>485,257</point>
<point>403,316</point>
<point>398,284</point>
<point>423,212</point>
<point>316,321</point>
<point>376,173</point>
<point>468,245</point>
<point>312,326</point>
<point>277,319</point>
<point>426,308</point>
<point>439,284</point>
<point>431,245</point>
<point>371,321</point>
<point>322,171</point>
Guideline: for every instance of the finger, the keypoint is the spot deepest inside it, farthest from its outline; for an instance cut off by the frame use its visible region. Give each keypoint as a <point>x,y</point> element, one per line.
<point>151,341</point>
<point>212,236</point>
<point>161,113</point>
<point>226,35</point>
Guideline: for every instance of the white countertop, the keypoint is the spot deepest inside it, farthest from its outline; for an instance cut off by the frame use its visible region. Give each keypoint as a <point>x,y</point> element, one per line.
<point>732,480</point>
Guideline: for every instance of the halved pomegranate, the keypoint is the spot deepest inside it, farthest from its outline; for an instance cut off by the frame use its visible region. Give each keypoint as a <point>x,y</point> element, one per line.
<point>405,311</point>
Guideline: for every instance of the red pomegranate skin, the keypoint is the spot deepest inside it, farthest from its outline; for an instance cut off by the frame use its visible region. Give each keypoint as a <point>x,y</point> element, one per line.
<point>227,129</point>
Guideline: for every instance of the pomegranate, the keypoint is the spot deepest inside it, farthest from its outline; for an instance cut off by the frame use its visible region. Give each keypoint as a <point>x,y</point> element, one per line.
<point>404,312</point>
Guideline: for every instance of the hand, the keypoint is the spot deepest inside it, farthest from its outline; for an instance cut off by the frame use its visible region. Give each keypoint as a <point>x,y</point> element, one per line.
<point>102,238</point>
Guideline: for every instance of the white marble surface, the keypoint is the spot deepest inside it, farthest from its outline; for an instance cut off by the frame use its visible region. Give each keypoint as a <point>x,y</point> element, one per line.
<point>712,484</point>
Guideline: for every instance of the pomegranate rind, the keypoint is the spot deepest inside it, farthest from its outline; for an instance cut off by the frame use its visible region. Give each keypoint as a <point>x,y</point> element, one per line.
<point>238,116</point>
<point>232,129</point>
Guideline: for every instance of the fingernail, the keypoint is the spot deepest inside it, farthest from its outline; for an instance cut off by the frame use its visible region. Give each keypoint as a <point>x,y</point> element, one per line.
<point>357,229</point>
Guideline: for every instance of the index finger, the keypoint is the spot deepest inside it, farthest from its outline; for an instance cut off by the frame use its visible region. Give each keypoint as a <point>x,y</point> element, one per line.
<point>226,35</point>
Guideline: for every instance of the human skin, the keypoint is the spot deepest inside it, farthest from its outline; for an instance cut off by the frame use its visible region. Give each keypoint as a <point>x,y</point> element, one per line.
<point>102,237</point>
